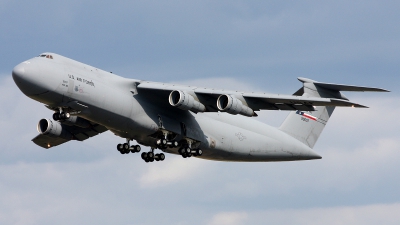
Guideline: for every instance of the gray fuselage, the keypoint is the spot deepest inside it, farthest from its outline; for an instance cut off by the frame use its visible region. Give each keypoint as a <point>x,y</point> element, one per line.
<point>115,102</point>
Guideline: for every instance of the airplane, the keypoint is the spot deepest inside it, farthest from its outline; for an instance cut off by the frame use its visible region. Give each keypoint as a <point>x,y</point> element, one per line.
<point>189,121</point>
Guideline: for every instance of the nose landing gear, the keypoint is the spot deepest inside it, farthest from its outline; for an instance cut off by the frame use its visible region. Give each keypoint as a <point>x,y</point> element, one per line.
<point>61,115</point>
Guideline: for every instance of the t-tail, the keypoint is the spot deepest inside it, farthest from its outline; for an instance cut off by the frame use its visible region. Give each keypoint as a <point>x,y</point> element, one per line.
<point>308,126</point>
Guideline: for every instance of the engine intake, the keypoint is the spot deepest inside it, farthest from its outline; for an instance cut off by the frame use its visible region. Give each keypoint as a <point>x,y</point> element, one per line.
<point>185,101</point>
<point>53,129</point>
<point>232,105</point>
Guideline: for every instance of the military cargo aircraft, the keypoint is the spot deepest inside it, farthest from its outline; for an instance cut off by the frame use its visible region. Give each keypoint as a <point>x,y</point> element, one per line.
<point>169,118</point>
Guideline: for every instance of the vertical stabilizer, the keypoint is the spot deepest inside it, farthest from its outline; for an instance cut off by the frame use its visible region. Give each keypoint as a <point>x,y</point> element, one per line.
<point>308,126</point>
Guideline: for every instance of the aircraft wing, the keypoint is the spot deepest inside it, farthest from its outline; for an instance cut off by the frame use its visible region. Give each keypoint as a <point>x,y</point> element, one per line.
<point>159,92</point>
<point>78,133</point>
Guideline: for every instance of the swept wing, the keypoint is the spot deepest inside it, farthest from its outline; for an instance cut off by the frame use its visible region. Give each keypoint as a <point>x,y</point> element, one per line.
<point>77,133</point>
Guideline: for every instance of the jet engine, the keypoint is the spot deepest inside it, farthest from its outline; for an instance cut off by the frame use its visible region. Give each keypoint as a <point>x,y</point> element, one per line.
<point>53,129</point>
<point>232,105</point>
<point>185,101</point>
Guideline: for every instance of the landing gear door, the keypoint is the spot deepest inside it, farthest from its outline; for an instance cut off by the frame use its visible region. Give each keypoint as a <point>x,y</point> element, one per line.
<point>169,124</point>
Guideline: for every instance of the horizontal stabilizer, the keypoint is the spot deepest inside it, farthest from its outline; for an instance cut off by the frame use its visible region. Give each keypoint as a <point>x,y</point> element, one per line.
<point>341,87</point>
<point>340,102</point>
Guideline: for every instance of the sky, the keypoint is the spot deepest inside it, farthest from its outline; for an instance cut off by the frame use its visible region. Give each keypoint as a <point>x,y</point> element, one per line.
<point>238,45</point>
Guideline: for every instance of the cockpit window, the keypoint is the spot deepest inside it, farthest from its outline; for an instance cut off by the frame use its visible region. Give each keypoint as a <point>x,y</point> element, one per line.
<point>47,56</point>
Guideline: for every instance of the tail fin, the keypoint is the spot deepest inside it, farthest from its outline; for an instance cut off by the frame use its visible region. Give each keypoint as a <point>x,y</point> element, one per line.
<point>308,126</point>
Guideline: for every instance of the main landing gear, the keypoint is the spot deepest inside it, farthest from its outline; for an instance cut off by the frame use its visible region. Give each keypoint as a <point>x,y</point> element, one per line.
<point>164,143</point>
<point>150,156</point>
<point>126,148</point>
<point>186,151</point>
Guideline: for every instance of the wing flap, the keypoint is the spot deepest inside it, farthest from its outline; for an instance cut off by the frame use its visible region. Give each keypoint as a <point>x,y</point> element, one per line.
<point>47,141</point>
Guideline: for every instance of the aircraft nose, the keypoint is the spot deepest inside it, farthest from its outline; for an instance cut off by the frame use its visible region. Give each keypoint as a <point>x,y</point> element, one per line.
<point>18,72</point>
<point>27,81</point>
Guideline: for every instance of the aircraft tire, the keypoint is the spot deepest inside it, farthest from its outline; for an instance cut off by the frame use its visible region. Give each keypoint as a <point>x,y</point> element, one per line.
<point>162,157</point>
<point>175,144</point>
<point>56,116</point>
<point>144,156</point>
<point>125,146</point>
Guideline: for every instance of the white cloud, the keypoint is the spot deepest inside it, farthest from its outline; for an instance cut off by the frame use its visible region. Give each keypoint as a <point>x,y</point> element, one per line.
<point>356,215</point>
<point>228,218</point>
<point>172,170</point>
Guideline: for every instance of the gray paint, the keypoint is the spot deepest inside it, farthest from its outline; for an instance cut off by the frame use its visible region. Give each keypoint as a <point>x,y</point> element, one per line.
<point>137,109</point>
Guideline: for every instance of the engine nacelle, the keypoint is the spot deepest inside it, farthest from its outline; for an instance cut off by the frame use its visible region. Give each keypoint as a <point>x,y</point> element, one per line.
<point>53,129</point>
<point>185,101</point>
<point>76,121</point>
<point>232,105</point>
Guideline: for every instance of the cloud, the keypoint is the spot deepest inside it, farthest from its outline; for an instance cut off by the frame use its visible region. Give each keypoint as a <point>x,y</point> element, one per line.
<point>228,218</point>
<point>173,170</point>
<point>356,215</point>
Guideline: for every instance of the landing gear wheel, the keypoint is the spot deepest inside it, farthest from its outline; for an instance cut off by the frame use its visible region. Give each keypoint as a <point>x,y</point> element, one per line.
<point>56,116</point>
<point>133,148</point>
<point>161,156</point>
<point>199,152</point>
<point>126,146</point>
<point>150,155</point>
<point>174,144</point>
<point>144,156</point>
<point>120,147</point>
